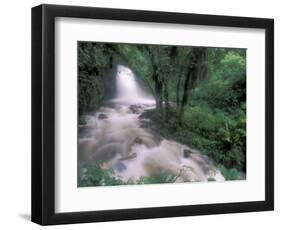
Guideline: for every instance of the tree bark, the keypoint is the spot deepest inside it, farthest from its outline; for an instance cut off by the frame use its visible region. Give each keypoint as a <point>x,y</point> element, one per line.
<point>186,90</point>
<point>166,99</point>
<point>178,90</point>
<point>158,93</point>
<point>197,69</point>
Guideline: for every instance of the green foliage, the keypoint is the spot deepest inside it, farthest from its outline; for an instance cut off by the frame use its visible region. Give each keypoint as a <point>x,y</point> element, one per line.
<point>94,175</point>
<point>158,179</point>
<point>231,174</point>
<point>220,135</point>
<point>214,120</point>
<point>94,59</point>
<point>226,87</point>
<point>217,113</point>
<point>232,66</point>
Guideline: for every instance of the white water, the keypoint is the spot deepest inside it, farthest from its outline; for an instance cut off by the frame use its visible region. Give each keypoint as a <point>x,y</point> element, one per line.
<point>115,135</point>
<point>128,90</point>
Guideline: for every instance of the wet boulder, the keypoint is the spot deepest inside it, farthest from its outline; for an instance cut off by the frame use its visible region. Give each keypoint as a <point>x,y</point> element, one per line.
<point>138,140</point>
<point>106,152</point>
<point>145,123</point>
<point>102,116</point>
<point>203,161</point>
<point>85,132</point>
<point>131,156</point>
<point>119,166</point>
<point>136,109</point>
<point>186,153</point>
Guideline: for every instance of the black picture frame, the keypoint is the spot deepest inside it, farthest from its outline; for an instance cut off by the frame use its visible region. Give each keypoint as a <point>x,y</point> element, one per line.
<point>43,114</point>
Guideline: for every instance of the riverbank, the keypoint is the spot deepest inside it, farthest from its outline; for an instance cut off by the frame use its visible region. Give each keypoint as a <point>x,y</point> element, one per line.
<point>184,133</point>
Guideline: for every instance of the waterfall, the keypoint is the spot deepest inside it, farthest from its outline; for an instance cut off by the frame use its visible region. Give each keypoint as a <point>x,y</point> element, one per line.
<point>115,136</point>
<point>128,89</point>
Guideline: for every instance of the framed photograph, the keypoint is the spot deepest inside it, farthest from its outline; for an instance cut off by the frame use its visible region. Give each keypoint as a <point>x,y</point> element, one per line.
<point>142,114</point>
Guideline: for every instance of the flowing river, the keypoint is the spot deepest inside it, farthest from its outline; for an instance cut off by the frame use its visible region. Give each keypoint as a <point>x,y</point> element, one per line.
<point>116,136</point>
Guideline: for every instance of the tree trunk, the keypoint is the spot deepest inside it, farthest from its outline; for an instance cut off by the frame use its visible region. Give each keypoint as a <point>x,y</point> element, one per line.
<point>158,92</point>
<point>178,91</point>
<point>166,99</point>
<point>197,70</point>
<point>186,90</point>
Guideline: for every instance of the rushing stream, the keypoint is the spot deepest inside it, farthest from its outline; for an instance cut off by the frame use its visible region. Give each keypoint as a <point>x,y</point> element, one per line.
<point>118,137</point>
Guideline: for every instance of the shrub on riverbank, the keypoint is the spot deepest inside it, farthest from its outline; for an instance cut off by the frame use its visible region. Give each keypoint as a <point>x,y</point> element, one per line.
<point>95,175</point>
<point>215,133</point>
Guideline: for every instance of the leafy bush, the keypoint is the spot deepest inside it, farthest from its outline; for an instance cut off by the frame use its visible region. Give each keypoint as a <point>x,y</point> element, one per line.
<point>231,174</point>
<point>219,135</point>
<point>159,179</point>
<point>94,175</point>
<point>232,66</point>
<point>93,61</point>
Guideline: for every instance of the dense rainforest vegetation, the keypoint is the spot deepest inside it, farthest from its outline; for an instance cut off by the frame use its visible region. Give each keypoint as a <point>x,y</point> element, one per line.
<point>200,93</point>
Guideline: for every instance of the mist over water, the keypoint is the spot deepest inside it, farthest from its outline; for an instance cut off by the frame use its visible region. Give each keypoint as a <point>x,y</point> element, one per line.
<point>128,89</point>
<point>118,137</point>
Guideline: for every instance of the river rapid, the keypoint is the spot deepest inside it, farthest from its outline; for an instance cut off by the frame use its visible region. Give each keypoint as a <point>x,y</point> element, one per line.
<point>117,137</point>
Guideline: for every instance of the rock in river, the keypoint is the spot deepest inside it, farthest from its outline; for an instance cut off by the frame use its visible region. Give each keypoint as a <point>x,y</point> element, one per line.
<point>102,116</point>
<point>186,153</point>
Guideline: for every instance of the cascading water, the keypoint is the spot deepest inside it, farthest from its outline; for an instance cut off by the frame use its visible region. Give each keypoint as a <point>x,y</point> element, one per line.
<point>116,136</point>
<point>128,90</point>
